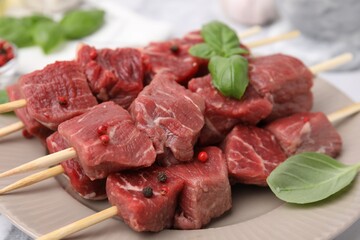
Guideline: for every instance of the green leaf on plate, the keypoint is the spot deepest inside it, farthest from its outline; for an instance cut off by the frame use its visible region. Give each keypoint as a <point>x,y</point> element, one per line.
<point>310,177</point>
<point>48,35</point>
<point>229,75</point>
<point>15,31</point>
<point>202,50</point>
<point>81,23</point>
<point>3,96</point>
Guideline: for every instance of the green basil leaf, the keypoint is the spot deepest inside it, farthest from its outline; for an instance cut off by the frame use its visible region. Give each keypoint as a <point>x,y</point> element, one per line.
<point>15,31</point>
<point>310,177</point>
<point>3,96</point>
<point>236,51</point>
<point>80,23</point>
<point>220,37</point>
<point>48,35</point>
<point>202,50</point>
<point>229,75</point>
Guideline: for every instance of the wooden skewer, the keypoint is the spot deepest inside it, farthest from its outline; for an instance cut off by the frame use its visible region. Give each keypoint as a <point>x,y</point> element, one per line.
<point>250,32</point>
<point>34,178</point>
<point>11,128</point>
<point>81,224</point>
<point>42,162</point>
<point>11,106</point>
<point>332,63</point>
<point>281,37</point>
<point>344,112</point>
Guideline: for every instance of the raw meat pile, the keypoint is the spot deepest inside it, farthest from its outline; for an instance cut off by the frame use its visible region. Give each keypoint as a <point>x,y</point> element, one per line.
<point>153,134</point>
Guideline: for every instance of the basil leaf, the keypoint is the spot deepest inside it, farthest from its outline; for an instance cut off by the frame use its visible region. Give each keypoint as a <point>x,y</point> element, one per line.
<point>229,75</point>
<point>80,23</point>
<point>15,31</point>
<point>220,37</point>
<point>48,35</point>
<point>310,177</point>
<point>202,50</point>
<point>236,51</point>
<point>3,96</point>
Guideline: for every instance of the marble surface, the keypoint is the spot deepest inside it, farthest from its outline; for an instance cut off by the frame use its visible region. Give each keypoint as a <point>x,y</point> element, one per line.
<point>186,15</point>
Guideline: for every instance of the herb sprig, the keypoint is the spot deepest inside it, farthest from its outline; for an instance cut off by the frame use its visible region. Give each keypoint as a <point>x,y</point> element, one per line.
<point>228,69</point>
<point>43,31</point>
<point>310,177</point>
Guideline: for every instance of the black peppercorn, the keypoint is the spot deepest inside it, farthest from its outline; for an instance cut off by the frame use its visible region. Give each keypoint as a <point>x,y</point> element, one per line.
<point>162,177</point>
<point>174,48</point>
<point>148,192</point>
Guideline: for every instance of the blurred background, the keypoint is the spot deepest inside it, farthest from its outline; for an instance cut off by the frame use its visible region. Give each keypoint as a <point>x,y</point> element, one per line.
<point>328,27</point>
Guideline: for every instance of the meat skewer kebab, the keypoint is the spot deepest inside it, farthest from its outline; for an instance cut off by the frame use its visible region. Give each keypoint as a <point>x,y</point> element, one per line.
<point>256,173</point>
<point>113,211</point>
<point>48,160</point>
<point>189,188</point>
<point>11,106</point>
<point>280,85</point>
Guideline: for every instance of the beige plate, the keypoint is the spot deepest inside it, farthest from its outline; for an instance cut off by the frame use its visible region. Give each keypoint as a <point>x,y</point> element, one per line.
<point>256,213</point>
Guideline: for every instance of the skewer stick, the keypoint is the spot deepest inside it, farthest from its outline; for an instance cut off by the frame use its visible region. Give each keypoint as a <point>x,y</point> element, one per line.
<point>42,162</point>
<point>281,37</point>
<point>250,31</point>
<point>37,177</point>
<point>11,106</point>
<point>332,63</point>
<point>344,112</point>
<point>11,128</point>
<point>81,224</point>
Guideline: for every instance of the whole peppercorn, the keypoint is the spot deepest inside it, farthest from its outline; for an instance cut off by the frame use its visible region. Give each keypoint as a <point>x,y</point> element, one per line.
<point>105,139</point>
<point>203,156</point>
<point>148,192</point>
<point>174,49</point>
<point>164,191</point>
<point>63,101</point>
<point>162,177</point>
<point>102,129</point>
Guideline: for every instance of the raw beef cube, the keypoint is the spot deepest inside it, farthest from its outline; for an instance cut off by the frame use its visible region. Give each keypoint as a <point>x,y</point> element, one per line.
<point>31,125</point>
<point>106,140</point>
<point>94,190</point>
<point>113,74</point>
<point>251,154</point>
<point>171,56</point>
<point>223,113</point>
<point>152,213</point>
<point>284,79</point>
<point>206,194</point>
<point>306,132</point>
<point>171,115</point>
<point>56,93</point>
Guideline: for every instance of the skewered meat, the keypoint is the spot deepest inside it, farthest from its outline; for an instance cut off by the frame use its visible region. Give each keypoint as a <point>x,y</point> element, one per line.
<point>152,213</point>
<point>283,79</point>
<point>56,93</point>
<point>251,154</point>
<point>113,74</point>
<point>106,140</point>
<point>306,132</point>
<point>32,126</point>
<point>94,190</point>
<point>222,113</point>
<point>170,115</point>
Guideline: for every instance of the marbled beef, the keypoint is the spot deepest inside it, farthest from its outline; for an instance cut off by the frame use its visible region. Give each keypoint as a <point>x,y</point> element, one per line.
<point>251,154</point>
<point>153,213</point>
<point>222,113</point>
<point>113,74</point>
<point>306,132</point>
<point>171,115</point>
<point>56,93</point>
<point>106,140</point>
<point>283,79</point>
<point>31,125</point>
<point>94,190</point>
<point>206,194</point>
